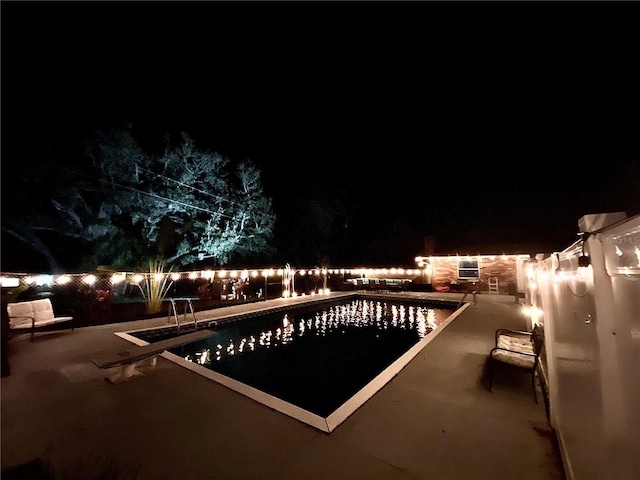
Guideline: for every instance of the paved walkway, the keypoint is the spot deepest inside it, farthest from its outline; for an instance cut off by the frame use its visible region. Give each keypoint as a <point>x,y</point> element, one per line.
<point>434,420</point>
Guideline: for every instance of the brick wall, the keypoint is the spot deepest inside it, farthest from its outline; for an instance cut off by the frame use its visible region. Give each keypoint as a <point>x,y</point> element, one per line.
<point>445,270</point>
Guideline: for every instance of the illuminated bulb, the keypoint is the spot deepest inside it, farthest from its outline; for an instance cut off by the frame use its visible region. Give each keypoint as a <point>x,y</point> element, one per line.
<point>175,277</point>
<point>63,279</point>
<point>584,272</point>
<point>44,279</point>
<point>10,282</point>
<point>89,279</point>
<point>117,278</point>
<point>137,278</point>
<point>193,275</point>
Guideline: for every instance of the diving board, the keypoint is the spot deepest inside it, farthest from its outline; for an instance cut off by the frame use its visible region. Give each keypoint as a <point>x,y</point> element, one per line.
<point>129,358</point>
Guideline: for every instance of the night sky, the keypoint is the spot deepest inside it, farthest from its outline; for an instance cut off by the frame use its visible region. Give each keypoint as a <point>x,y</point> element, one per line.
<point>474,123</point>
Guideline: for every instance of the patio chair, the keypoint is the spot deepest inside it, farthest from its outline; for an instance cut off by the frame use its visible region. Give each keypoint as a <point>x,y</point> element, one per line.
<point>517,349</point>
<point>35,314</point>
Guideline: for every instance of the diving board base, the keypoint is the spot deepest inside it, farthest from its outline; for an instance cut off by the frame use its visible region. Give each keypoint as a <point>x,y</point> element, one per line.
<point>128,372</point>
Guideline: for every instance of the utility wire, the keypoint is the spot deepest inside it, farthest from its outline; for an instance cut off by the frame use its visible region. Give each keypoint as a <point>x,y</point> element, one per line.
<point>153,195</point>
<point>185,185</point>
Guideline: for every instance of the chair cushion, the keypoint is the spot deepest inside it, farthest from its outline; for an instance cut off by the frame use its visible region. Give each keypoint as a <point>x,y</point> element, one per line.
<point>516,344</point>
<point>41,323</point>
<point>43,311</point>
<point>514,358</point>
<point>20,314</point>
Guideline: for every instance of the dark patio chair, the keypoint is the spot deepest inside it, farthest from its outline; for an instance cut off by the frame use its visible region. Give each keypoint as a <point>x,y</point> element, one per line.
<point>517,349</point>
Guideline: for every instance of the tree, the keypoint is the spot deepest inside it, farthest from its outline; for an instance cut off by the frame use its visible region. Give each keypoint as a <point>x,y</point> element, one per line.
<point>182,205</point>
<point>41,200</point>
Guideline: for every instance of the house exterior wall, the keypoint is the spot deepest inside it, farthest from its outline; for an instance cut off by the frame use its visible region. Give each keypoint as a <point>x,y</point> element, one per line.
<point>506,268</point>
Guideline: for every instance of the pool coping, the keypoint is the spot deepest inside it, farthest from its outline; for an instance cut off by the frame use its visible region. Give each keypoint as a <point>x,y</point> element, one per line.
<point>326,424</point>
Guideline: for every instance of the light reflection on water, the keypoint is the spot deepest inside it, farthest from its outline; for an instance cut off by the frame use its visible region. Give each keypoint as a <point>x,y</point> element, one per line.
<point>357,314</point>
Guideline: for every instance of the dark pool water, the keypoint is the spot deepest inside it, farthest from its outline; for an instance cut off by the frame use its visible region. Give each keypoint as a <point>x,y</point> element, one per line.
<point>316,357</point>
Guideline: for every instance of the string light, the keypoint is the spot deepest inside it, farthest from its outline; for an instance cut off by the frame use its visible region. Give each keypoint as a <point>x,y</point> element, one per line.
<point>138,277</point>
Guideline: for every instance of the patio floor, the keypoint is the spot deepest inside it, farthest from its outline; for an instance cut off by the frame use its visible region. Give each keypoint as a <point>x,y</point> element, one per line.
<point>434,420</point>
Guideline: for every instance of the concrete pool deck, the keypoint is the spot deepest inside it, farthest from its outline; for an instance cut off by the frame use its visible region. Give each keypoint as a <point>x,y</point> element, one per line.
<point>434,420</point>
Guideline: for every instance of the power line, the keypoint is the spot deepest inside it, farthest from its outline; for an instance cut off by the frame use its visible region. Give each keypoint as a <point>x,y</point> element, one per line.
<point>153,195</point>
<point>185,185</point>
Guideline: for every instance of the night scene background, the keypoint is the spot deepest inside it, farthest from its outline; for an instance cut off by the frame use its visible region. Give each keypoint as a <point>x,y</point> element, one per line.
<point>374,125</point>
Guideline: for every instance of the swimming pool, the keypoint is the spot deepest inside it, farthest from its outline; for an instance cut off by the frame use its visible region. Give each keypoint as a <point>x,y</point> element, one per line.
<point>317,362</point>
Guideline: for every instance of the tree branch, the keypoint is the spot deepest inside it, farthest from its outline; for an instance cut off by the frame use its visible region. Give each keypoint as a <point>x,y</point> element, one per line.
<point>29,238</point>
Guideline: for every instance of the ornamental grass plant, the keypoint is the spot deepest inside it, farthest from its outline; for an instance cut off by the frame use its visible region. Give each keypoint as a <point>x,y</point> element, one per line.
<point>155,285</point>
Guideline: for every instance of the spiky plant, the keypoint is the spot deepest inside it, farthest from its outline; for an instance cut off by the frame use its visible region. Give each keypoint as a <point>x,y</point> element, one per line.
<point>155,286</point>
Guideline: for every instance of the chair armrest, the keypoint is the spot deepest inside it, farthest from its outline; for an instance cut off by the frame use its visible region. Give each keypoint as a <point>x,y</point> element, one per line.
<point>24,321</point>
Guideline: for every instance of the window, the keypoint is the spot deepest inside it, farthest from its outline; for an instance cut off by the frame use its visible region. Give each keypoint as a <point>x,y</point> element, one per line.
<point>468,270</point>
